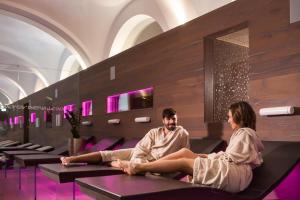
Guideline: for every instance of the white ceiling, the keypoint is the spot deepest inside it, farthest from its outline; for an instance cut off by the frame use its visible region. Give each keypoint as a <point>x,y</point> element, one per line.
<point>27,55</point>
<point>38,36</point>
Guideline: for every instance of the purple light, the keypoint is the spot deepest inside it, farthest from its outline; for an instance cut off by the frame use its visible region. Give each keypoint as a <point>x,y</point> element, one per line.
<point>46,187</point>
<point>11,121</point>
<point>88,146</point>
<point>289,187</point>
<point>87,108</point>
<point>70,107</point>
<point>32,117</point>
<point>114,102</point>
<point>16,120</point>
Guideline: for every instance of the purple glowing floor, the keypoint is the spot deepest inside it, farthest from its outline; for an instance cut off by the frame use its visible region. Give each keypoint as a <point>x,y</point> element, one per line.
<point>46,188</point>
<point>50,190</point>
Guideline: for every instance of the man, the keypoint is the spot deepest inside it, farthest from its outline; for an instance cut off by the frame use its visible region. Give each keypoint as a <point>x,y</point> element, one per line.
<point>157,143</point>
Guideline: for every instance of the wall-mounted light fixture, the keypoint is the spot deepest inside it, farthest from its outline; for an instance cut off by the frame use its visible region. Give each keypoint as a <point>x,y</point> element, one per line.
<point>21,121</point>
<point>37,122</point>
<point>58,120</point>
<point>284,110</point>
<point>56,93</point>
<point>86,123</point>
<point>11,122</point>
<point>113,121</point>
<point>142,119</point>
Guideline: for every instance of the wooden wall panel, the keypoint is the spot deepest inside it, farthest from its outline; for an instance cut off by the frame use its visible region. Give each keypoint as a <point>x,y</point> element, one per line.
<point>173,64</point>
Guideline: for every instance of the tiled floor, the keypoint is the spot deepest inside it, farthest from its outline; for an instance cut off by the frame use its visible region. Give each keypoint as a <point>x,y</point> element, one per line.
<point>47,189</point>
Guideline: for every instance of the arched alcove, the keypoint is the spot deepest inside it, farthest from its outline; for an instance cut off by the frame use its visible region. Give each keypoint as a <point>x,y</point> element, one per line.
<point>70,67</point>
<point>135,30</point>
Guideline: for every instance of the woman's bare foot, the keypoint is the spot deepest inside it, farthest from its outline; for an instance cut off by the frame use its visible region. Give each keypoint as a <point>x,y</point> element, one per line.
<point>119,164</point>
<point>115,163</point>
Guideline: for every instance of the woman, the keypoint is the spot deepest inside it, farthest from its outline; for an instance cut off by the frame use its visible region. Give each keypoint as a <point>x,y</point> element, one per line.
<point>230,170</point>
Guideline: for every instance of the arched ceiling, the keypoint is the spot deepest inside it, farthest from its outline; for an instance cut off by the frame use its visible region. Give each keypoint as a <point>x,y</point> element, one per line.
<point>27,55</point>
<point>38,37</point>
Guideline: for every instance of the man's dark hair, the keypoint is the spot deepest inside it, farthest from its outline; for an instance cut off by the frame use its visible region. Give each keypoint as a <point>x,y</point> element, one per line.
<point>243,115</point>
<point>168,113</point>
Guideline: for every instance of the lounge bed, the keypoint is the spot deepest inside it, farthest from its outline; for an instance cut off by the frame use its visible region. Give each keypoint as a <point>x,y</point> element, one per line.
<point>26,160</point>
<point>4,142</point>
<point>10,144</point>
<point>279,159</point>
<point>63,174</point>
<point>19,147</point>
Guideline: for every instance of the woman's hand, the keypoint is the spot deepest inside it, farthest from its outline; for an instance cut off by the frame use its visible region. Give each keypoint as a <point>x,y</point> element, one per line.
<point>202,155</point>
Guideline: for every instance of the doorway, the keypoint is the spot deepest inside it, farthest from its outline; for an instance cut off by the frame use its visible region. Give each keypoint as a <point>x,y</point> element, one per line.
<point>227,70</point>
<point>26,123</point>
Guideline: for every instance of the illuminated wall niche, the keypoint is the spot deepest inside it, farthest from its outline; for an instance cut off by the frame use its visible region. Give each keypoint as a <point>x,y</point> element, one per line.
<point>11,121</point>
<point>16,120</point>
<point>131,100</point>
<point>32,118</point>
<point>87,108</point>
<point>70,107</point>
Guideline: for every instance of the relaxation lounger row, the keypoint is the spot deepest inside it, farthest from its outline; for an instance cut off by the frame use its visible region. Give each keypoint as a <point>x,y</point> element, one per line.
<point>63,174</point>
<point>19,147</point>
<point>34,160</point>
<point>5,141</point>
<point>9,143</point>
<point>54,156</point>
<point>279,159</point>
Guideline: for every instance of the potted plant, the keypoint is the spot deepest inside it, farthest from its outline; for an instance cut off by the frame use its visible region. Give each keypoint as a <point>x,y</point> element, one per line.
<point>75,143</point>
<point>74,119</point>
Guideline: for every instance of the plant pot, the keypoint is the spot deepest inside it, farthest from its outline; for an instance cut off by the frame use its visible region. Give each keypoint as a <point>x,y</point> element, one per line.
<point>75,146</point>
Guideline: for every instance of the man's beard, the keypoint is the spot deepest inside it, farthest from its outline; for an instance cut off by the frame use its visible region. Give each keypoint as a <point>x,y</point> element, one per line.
<point>171,128</point>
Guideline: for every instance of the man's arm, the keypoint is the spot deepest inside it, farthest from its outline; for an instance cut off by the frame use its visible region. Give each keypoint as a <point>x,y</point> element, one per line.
<point>185,139</point>
<point>143,148</point>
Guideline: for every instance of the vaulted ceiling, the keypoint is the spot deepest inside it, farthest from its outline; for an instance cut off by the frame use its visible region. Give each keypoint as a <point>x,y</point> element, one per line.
<point>42,41</point>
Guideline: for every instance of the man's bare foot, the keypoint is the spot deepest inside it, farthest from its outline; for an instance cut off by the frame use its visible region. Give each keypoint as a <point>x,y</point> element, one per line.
<point>65,160</point>
<point>132,168</point>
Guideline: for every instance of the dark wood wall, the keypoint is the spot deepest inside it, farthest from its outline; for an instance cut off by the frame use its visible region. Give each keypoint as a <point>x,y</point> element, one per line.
<point>173,64</point>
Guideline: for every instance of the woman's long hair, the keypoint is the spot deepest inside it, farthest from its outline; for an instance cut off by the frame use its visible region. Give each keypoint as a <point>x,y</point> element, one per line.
<point>243,115</point>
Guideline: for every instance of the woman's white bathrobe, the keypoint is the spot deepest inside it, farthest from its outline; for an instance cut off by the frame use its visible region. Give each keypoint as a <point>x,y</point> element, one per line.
<point>231,170</point>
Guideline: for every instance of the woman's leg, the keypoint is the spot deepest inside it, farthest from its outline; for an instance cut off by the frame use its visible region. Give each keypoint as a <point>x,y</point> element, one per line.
<point>182,153</point>
<point>162,166</point>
